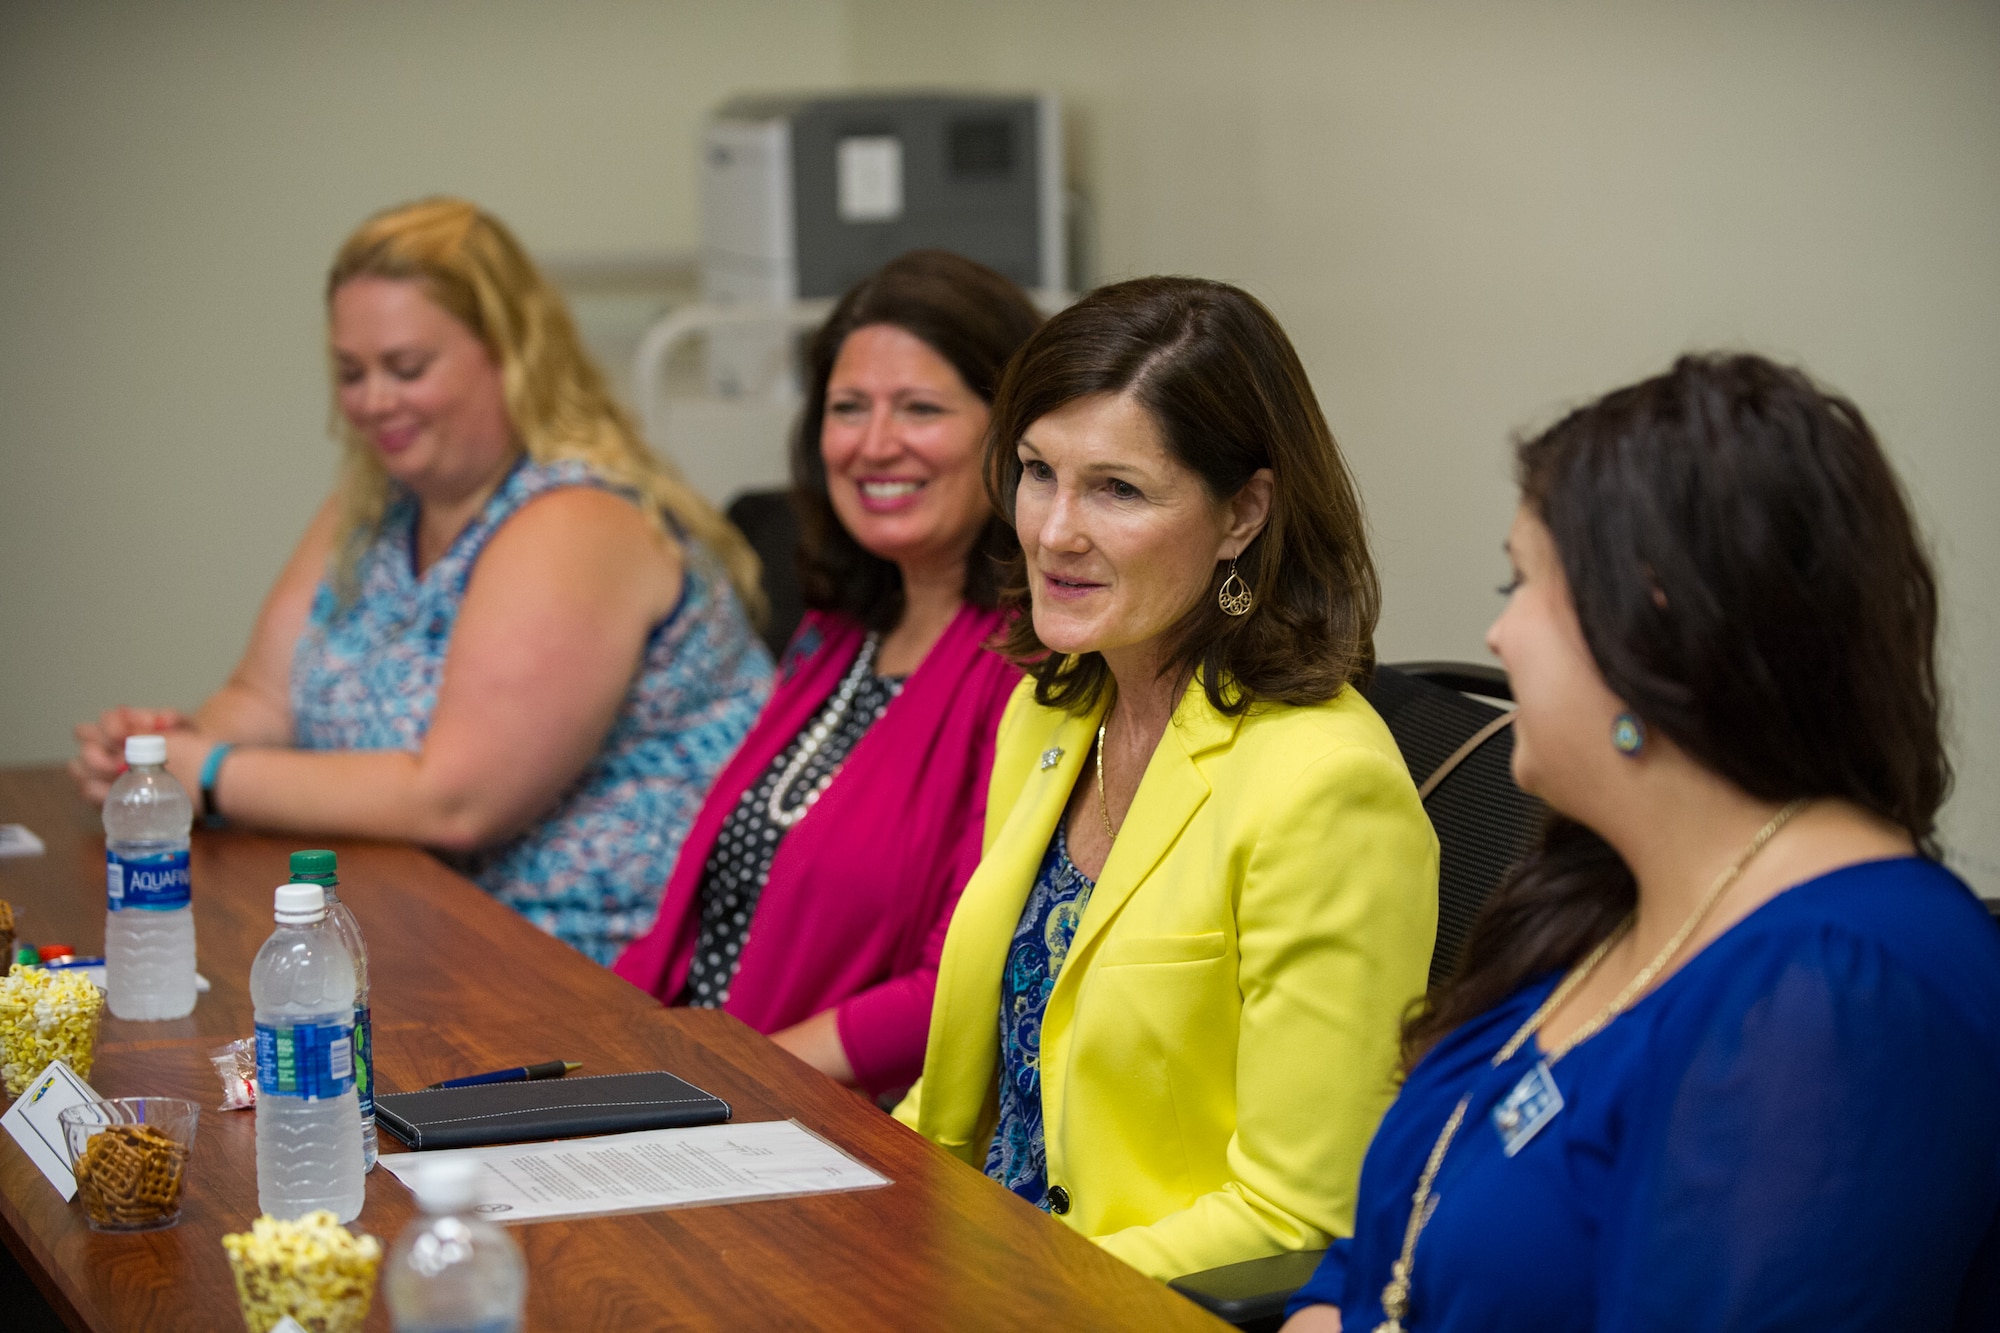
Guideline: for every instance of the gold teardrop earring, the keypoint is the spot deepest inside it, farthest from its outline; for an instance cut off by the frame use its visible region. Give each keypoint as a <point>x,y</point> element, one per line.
<point>1239,602</point>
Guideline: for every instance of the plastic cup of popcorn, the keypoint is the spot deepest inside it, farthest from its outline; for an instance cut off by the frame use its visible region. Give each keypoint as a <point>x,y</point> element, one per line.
<point>312,1269</point>
<point>130,1155</point>
<point>46,1016</point>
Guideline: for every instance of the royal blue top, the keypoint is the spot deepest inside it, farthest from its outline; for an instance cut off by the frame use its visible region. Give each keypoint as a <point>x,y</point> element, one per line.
<point>1799,1129</point>
<point>365,676</point>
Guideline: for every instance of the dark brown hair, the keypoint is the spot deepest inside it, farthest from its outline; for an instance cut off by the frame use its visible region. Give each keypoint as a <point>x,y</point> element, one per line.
<point>972,317</point>
<point>1750,583</point>
<point>1221,382</point>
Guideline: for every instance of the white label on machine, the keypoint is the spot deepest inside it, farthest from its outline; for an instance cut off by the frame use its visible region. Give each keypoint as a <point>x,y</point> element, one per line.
<point>870,168</point>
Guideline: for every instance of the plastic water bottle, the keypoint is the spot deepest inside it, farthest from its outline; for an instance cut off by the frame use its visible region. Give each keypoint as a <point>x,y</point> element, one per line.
<point>308,1118</point>
<point>149,927</point>
<point>451,1271</point>
<point>320,868</point>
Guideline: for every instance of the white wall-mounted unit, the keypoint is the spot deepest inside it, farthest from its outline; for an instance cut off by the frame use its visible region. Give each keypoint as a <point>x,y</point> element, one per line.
<point>803,196</point>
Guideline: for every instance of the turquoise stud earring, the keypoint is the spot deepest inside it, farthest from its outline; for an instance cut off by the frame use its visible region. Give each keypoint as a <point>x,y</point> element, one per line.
<point>1628,734</point>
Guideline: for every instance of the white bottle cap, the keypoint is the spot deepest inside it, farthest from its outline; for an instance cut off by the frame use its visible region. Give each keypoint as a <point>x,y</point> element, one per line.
<point>299,904</point>
<point>447,1185</point>
<point>145,749</point>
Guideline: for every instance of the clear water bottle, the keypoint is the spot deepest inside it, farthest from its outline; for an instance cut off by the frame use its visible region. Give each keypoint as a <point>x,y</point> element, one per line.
<point>308,1118</point>
<point>149,926</point>
<point>452,1271</point>
<point>320,867</point>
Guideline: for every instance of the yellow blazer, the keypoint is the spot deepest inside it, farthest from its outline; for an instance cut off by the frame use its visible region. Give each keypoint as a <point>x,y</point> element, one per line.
<point>1221,1040</point>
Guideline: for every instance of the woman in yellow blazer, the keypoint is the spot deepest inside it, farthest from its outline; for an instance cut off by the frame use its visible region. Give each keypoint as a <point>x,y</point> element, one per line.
<point>1169,1000</point>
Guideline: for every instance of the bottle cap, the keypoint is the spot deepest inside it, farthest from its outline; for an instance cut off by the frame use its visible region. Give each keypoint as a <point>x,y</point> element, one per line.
<point>48,953</point>
<point>447,1186</point>
<point>299,904</point>
<point>314,866</point>
<point>145,749</point>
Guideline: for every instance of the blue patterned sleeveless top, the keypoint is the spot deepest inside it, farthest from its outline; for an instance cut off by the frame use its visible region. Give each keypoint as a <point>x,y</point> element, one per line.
<point>365,677</point>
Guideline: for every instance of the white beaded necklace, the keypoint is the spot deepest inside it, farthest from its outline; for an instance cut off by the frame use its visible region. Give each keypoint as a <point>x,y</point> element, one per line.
<point>816,738</point>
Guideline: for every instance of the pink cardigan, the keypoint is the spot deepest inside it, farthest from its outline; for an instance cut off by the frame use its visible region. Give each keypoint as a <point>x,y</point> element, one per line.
<point>862,888</point>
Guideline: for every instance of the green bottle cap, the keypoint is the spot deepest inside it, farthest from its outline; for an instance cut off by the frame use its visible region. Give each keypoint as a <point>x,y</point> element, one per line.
<point>314,868</point>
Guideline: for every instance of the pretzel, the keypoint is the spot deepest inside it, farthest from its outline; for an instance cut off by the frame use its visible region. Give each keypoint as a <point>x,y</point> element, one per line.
<point>131,1175</point>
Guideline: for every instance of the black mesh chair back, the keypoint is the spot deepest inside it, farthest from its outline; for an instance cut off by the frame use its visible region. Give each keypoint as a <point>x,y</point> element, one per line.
<point>1484,822</point>
<point>1460,749</point>
<point>768,523</point>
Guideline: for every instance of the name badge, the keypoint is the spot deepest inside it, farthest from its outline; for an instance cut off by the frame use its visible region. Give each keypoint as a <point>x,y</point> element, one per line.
<point>1534,1102</point>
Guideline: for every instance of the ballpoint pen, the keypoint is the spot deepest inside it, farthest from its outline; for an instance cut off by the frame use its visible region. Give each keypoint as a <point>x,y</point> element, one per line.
<point>518,1074</point>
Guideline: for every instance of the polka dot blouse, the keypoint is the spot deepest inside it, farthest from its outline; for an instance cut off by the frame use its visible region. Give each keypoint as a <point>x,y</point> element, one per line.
<point>740,862</point>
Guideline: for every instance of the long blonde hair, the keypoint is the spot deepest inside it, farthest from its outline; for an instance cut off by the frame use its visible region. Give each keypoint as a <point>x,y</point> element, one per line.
<point>557,401</point>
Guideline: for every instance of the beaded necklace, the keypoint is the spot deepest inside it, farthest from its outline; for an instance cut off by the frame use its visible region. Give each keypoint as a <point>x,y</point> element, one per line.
<point>815,740</point>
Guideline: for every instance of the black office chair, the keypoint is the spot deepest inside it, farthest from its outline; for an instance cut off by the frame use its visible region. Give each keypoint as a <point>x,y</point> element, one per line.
<point>1460,748</point>
<point>767,521</point>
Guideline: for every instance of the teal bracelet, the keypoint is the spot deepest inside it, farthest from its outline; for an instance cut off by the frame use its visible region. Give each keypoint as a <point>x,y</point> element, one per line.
<point>211,768</point>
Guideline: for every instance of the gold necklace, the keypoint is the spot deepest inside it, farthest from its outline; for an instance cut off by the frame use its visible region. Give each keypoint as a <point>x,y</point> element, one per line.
<point>1396,1293</point>
<point>1103,805</point>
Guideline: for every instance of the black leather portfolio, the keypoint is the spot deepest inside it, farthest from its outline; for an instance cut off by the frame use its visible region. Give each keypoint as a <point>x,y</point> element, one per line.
<point>554,1108</point>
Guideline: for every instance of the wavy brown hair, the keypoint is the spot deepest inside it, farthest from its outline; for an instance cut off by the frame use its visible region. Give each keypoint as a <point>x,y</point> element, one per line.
<point>1218,377</point>
<point>972,317</point>
<point>1750,582</point>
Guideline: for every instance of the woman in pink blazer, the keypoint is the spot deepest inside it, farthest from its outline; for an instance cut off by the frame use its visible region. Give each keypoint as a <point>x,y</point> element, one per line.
<point>813,891</point>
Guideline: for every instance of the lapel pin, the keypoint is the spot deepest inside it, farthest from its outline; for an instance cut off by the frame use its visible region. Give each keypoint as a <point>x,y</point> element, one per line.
<point>1050,755</point>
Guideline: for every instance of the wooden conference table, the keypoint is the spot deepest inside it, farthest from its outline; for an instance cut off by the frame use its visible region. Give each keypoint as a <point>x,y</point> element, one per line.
<point>461,984</point>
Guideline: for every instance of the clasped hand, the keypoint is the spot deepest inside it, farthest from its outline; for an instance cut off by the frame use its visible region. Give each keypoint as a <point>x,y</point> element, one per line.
<point>100,749</point>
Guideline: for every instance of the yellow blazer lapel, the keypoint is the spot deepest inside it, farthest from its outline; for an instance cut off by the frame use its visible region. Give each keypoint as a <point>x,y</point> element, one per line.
<point>959,1073</point>
<point>1168,796</point>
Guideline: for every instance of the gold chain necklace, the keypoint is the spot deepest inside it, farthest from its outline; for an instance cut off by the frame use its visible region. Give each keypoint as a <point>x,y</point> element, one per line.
<point>1103,805</point>
<point>1396,1294</point>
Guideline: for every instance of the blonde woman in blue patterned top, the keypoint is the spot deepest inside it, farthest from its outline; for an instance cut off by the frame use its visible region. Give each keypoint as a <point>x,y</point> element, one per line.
<point>512,634</point>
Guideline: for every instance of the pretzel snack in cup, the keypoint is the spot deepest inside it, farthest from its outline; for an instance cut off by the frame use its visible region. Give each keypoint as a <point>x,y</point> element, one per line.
<point>130,1155</point>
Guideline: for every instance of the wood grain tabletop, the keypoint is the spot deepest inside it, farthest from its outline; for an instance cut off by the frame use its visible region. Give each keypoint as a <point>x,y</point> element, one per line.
<point>461,984</point>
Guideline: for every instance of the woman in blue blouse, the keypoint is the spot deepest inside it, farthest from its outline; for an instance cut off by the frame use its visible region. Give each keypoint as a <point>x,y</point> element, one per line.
<point>1725,1054</point>
<point>512,634</point>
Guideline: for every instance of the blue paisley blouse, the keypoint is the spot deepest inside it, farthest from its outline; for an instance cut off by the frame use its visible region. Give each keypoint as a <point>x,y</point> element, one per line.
<point>1019,1156</point>
<point>365,677</point>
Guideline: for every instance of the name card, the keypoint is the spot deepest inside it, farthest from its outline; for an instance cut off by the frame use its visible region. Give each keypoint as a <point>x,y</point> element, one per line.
<point>31,1121</point>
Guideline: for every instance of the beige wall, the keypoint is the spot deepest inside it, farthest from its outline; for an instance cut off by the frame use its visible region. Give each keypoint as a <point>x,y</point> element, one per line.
<point>1467,214</point>
<point>173,181</point>
<point>1471,214</point>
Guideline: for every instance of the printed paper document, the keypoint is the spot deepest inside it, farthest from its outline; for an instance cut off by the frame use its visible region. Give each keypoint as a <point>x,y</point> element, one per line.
<point>655,1168</point>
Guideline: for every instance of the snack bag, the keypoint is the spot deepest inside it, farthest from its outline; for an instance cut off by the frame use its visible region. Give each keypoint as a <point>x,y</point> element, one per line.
<point>236,1065</point>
